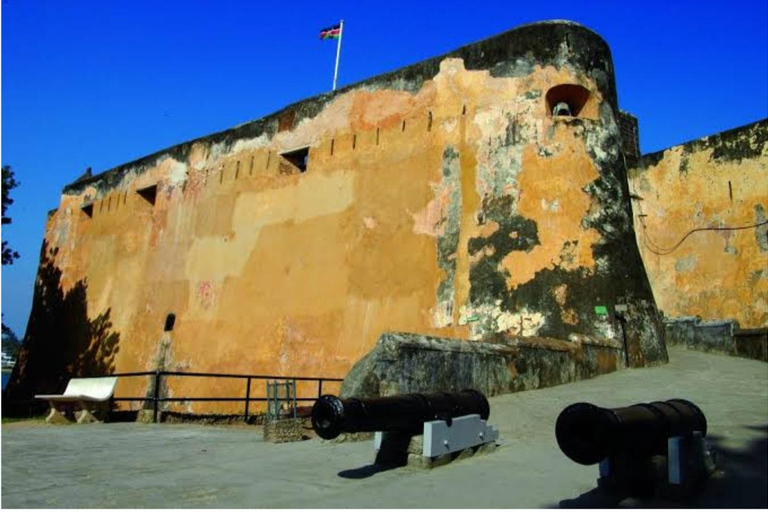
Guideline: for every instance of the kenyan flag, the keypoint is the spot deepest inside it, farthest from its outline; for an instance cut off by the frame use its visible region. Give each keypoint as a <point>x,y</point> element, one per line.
<point>333,32</point>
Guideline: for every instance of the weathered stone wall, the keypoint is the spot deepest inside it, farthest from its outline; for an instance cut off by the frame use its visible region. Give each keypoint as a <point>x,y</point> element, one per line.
<point>721,336</point>
<point>751,343</point>
<point>687,200</point>
<point>411,363</point>
<point>443,198</point>
<point>630,136</point>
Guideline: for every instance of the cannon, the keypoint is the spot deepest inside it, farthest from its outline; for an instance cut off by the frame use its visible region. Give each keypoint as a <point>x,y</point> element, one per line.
<point>588,434</point>
<point>407,414</point>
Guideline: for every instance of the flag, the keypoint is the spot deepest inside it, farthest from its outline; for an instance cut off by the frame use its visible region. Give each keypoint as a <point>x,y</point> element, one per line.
<point>333,32</point>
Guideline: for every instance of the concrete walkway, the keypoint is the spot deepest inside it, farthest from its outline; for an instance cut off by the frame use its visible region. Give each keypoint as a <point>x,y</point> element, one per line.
<point>190,466</point>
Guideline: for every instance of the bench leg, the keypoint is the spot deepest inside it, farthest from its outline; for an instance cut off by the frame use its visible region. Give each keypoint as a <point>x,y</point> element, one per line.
<point>58,415</point>
<point>91,412</point>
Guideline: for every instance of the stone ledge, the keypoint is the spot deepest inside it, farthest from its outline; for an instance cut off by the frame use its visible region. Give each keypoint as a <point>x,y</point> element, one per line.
<point>412,363</point>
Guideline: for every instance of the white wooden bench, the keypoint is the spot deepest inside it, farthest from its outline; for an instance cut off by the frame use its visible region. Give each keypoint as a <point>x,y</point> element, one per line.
<point>91,398</point>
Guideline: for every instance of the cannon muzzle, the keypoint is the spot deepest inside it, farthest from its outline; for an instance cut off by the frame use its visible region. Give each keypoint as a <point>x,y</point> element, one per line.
<point>588,434</point>
<point>332,415</point>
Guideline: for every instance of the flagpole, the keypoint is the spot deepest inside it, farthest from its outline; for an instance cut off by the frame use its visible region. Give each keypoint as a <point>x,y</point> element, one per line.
<point>338,52</point>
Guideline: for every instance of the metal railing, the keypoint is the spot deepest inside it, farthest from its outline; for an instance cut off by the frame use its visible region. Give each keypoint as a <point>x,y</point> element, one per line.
<point>158,375</point>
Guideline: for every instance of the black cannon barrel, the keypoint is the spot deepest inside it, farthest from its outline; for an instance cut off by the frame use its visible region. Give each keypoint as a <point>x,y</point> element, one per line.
<point>588,434</point>
<point>332,415</point>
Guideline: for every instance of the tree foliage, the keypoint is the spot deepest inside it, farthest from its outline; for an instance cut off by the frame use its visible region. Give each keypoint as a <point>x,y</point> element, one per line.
<point>9,183</point>
<point>11,343</point>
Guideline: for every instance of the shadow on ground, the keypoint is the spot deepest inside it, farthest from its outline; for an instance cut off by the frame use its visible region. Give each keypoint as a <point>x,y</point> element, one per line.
<point>367,471</point>
<point>741,481</point>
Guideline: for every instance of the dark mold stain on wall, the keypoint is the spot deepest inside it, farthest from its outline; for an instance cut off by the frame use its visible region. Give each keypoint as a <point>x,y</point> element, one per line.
<point>761,233</point>
<point>448,241</point>
<point>618,277</point>
<point>488,282</point>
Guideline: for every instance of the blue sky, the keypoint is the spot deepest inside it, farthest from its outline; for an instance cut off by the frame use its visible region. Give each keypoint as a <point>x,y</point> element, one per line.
<point>100,83</point>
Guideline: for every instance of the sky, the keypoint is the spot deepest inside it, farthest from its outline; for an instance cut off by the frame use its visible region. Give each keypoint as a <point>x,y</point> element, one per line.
<point>100,83</point>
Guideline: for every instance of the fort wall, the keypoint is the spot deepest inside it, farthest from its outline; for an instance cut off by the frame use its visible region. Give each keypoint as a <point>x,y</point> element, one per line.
<point>700,218</point>
<point>443,199</point>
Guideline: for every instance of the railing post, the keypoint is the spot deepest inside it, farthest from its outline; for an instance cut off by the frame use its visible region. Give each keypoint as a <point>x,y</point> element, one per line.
<point>287,393</point>
<point>319,388</point>
<point>269,403</point>
<point>156,397</point>
<point>275,398</point>
<point>294,398</point>
<point>247,397</point>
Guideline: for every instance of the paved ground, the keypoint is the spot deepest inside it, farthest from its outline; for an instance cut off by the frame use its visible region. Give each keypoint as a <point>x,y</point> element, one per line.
<point>132,466</point>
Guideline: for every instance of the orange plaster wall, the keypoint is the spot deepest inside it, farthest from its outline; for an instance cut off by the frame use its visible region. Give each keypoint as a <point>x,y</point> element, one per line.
<point>716,274</point>
<point>299,274</point>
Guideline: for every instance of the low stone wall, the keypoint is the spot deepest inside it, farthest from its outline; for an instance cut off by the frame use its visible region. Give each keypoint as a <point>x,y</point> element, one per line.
<point>751,343</point>
<point>720,336</point>
<point>412,363</point>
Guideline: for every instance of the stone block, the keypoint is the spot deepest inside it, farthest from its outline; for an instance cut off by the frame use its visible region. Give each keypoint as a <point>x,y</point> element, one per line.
<point>419,461</point>
<point>351,437</point>
<point>284,431</point>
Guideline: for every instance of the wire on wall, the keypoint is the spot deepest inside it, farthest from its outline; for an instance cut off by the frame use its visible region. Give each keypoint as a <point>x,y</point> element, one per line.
<point>663,252</point>
<point>660,251</point>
